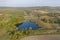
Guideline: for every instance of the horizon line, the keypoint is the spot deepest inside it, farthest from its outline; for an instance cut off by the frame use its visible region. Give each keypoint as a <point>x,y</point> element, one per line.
<point>29,6</point>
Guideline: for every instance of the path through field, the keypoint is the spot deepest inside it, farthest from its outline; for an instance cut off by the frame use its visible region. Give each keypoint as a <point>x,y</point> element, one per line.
<point>42,37</point>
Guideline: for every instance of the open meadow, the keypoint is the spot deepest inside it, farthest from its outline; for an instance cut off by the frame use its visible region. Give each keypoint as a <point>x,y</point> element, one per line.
<point>48,20</point>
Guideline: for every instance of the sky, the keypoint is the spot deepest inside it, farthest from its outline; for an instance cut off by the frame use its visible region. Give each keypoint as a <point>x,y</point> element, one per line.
<point>29,3</point>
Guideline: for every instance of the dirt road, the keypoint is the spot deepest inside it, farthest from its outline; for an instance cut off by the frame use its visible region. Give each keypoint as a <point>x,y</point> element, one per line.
<point>42,37</point>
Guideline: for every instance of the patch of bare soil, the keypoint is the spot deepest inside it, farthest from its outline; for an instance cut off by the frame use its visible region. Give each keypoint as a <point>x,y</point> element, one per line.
<point>42,37</point>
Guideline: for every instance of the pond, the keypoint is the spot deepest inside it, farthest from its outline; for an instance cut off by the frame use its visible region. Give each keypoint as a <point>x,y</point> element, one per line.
<point>28,25</point>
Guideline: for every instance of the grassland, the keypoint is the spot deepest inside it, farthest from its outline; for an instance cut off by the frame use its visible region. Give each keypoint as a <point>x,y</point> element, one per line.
<point>49,23</point>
